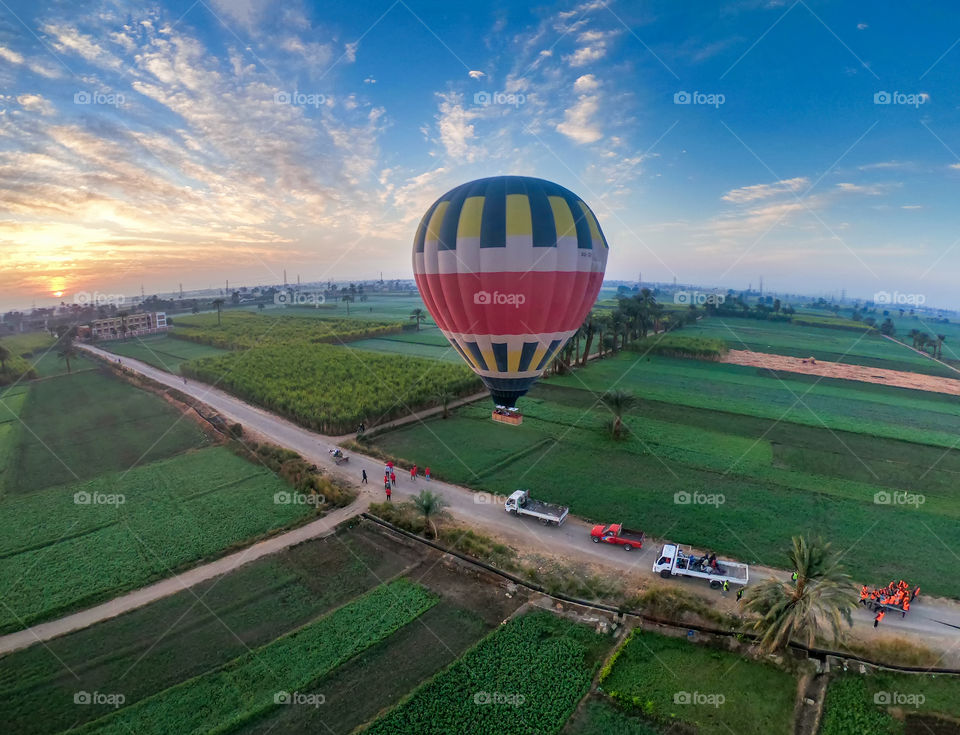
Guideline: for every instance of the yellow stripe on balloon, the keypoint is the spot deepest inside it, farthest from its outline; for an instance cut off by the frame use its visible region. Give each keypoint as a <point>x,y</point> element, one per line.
<point>518,215</point>
<point>594,227</point>
<point>470,217</point>
<point>513,358</point>
<point>433,229</point>
<point>562,217</point>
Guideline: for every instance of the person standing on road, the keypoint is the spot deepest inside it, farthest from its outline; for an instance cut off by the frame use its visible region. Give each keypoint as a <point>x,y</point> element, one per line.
<point>393,478</point>
<point>363,477</point>
<point>876,620</point>
<point>794,577</point>
<point>739,594</point>
<point>413,473</point>
<point>426,476</point>
<point>724,588</point>
<point>389,491</point>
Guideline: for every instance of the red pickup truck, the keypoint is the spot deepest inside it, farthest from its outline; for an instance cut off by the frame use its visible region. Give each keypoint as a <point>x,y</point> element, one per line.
<point>615,533</point>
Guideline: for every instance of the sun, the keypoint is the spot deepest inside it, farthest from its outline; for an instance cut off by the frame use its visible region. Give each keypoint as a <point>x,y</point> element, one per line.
<point>58,285</point>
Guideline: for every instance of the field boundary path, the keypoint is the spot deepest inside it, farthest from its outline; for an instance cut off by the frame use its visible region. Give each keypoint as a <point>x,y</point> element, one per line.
<point>864,374</point>
<point>934,622</point>
<point>921,352</point>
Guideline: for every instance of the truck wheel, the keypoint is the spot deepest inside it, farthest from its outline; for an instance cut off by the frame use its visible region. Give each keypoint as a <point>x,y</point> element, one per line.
<point>596,540</point>
<point>665,573</point>
<point>627,547</point>
<point>545,522</point>
<point>715,584</point>
<point>513,512</point>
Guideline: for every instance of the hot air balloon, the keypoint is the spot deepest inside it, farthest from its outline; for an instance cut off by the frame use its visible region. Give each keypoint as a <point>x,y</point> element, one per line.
<point>509,267</point>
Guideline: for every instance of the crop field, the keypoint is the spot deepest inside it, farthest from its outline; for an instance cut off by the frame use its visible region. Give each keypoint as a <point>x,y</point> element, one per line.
<point>79,426</point>
<point>890,704</point>
<point>24,350</point>
<point>74,545</point>
<point>331,388</point>
<point>247,686</point>
<point>174,639</point>
<point>671,679</point>
<point>777,479</point>
<point>544,662</point>
<point>164,352</point>
<point>428,343</point>
<point>600,716</point>
<point>826,344</point>
<point>244,329</point>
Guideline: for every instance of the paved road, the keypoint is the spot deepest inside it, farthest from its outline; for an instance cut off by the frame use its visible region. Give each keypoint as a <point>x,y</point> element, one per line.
<point>934,622</point>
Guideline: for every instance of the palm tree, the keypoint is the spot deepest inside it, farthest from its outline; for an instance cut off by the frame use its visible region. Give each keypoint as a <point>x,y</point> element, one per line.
<point>4,356</point>
<point>619,402</point>
<point>218,303</point>
<point>588,328</point>
<point>418,314</point>
<point>123,329</point>
<point>796,610</point>
<point>941,338</point>
<point>430,505</point>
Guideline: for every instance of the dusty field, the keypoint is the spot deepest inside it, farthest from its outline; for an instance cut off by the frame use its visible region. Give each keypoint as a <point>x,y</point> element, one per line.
<point>880,376</point>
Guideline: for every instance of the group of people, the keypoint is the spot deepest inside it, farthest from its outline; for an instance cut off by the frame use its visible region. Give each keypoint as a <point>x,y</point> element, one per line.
<point>390,477</point>
<point>896,594</point>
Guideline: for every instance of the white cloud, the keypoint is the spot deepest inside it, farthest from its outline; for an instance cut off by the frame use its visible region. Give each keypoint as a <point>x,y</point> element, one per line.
<point>586,83</point>
<point>764,191</point>
<point>578,121</point>
<point>955,166</point>
<point>586,55</point>
<point>10,55</point>
<point>369,80</point>
<point>846,187</point>
<point>862,26</point>
<point>350,51</point>
<point>455,127</point>
<point>35,103</point>
<point>912,206</point>
<point>474,74</point>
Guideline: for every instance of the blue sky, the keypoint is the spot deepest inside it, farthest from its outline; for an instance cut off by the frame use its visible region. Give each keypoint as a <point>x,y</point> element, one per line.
<point>198,141</point>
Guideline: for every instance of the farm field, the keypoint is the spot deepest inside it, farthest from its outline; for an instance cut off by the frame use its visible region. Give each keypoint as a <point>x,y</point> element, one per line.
<point>89,423</point>
<point>777,479</point>
<point>600,716</point>
<point>241,329</point>
<point>332,388</point>
<point>328,605</point>
<point>891,704</point>
<point>833,345</point>
<point>429,342</point>
<point>176,638</point>
<point>544,662</point>
<point>715,691</point>
<point>24,350</point>
<point>164,352</point>
<point>81,545</point>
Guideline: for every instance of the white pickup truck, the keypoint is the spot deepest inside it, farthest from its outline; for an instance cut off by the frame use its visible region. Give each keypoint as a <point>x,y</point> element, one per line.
<point>521,504</point>
<point>674,561</point>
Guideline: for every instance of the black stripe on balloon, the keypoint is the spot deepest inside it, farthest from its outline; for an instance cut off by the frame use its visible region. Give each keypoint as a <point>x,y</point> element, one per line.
<point>549,353</point>
<point>541,215</point>
<point>477,355</point>
<point>451,219</point>
<point>500,355</point>
<point>493,221</point>
<point>526,355</point>
<point>422,230</point>
<point>584,239</point>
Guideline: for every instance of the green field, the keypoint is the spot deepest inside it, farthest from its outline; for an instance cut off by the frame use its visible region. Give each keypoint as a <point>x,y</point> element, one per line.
<point>164,352</point>
<point>332,388</point>
<point>527,677</point>
<point>239,329</point>
<point>177,638</point>
<point>74,545</point>
<point>78,426</point>
<point>601,717</point>
<point>778,478</point>
<point>429,343</point>
<point>717,692</point>
<point>248,686</point>
<point>886,703</point>
<point>832,345</point>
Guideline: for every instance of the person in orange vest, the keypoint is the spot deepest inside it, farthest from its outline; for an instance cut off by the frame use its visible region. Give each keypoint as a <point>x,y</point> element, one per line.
<point>906,606</point>
<point>413,473</point>
<point>876,620</point>
<point>863,594</point>
<point>916,593</point>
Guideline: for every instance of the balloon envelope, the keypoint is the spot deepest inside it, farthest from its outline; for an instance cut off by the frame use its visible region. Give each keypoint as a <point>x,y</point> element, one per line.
<point>509,267</point>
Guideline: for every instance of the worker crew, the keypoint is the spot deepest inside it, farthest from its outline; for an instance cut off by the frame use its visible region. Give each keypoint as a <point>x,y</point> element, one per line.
<point>876,620</point>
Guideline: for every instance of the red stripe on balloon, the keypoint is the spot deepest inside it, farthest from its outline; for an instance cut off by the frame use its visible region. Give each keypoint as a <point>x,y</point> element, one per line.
<point>532,302</point>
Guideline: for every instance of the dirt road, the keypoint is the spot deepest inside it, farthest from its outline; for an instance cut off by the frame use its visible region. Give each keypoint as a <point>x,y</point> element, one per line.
<point>936,623</point>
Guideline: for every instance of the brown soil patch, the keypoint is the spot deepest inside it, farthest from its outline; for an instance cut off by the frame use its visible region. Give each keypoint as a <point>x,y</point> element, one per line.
<point>897,378</point>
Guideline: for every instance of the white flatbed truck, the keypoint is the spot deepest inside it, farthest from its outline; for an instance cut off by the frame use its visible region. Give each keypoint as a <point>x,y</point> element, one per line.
<point>677,561</point>
<point>521,504</point>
